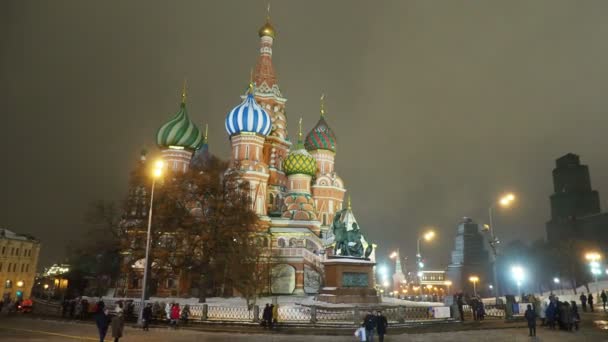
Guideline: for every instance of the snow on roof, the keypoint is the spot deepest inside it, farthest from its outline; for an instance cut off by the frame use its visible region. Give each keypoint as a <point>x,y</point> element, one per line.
<point>8,234</point>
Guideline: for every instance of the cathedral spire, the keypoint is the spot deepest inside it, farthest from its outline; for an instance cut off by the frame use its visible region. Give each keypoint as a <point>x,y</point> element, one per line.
<point>322,105</point>
<point>184,92</point>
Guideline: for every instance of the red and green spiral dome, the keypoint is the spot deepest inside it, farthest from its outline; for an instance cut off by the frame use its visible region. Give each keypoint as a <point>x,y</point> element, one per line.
<point>321,137</point>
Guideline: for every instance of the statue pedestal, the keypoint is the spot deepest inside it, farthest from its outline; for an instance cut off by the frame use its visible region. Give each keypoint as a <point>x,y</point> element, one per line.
<point>349,280</point>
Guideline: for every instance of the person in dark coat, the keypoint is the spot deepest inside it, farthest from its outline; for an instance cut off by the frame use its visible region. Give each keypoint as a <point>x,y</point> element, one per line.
<point>460,303</point>
<point>550,313</point>
<point>147,317</point>
<point>583,299</point>
<point>576,318</point>
<point>590,301</point>
<point>266,316</point>
<point>530,315</point>
<point>381,325</point>
<point>370,324</point>
<point>271,319</point>
<point>604,299</point>
<point>102,320</point>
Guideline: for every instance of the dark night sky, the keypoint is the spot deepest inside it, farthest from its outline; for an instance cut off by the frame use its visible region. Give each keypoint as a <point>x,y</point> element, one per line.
<point>438,106</point>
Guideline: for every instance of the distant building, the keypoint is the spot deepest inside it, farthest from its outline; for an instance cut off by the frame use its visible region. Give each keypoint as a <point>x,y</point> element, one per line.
<point>18,263</point>
<point>575,206</point>
<point>469,257</point>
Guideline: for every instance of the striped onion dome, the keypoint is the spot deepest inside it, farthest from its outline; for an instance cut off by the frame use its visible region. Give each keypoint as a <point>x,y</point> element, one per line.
<point>179,131</point>
<point>321,137</point>
<point>248,117</point>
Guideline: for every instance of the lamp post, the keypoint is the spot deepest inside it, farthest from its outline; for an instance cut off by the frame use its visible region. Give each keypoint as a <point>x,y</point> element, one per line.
<point>158,171</point>
<point>474,280</point>
<point>504,201</point>
<point>428,236</point>
<point>594,264</point>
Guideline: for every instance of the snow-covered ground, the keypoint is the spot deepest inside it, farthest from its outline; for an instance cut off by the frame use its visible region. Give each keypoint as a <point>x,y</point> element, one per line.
<point>284,301</point>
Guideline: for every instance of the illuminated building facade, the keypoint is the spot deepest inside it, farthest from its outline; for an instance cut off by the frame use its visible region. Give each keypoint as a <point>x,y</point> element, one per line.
<point>18,263</point>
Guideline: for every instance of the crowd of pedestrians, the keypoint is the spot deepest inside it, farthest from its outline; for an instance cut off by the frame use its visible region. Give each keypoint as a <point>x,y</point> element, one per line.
<point>561,315</point>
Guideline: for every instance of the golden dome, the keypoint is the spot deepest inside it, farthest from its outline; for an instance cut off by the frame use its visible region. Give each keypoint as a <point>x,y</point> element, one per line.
<point>267,30</point>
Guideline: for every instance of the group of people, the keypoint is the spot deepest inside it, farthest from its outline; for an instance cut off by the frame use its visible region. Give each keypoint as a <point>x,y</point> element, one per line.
<point>173,312</point>
<point>270,315</point>
<point>560,314</point>
<point>104,319</point>
<point>372,324</point>
<point>588,300</point>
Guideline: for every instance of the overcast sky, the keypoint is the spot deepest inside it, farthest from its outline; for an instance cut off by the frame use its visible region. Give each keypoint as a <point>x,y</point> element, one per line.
<point>438,106</point>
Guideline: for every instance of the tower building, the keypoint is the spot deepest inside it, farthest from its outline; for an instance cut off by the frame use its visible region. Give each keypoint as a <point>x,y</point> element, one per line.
<point>178,138</point>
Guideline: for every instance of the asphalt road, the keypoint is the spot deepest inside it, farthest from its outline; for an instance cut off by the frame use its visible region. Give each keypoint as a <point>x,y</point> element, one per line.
<point>34,329</point>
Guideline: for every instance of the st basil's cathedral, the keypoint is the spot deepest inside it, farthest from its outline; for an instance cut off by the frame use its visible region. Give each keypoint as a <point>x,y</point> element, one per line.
<point>295,189</point>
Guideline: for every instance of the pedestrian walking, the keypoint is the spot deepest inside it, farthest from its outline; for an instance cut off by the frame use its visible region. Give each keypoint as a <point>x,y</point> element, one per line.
<point>360,333</point>
<point>102,320</point>
<point>542,312</point>
<point>174,315</point>
<point>551,313</point>
<point>267,316</point>
<point>370,324</point>
<point>576,318</point>
<point>118,322</point>
<point>583,299</point>
<point>460,304</point>
<point>168,311</point>
<point>271,319</point>
<point>185,315</point>
<point>275,314</point>
<point>531,318</point>
<point>590,301</point>
<point>604,299</point>
<point>381,325</point>
<point>146,317</point>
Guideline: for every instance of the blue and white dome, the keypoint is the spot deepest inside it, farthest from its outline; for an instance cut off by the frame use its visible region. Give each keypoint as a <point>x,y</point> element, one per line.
<point>249,117</point>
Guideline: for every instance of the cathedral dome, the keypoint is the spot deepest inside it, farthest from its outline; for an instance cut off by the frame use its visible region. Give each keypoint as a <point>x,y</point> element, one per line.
<point>179,131</point>
<point>300,207</point>
<point>300,161</point>
<point>249,117</point>
<point>321,137</point>
<point>267,30</point>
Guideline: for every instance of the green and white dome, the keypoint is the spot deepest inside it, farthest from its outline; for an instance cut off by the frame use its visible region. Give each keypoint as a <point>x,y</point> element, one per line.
<point>180,131</point>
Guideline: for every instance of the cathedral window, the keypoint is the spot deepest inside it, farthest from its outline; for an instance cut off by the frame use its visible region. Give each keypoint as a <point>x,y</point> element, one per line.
<point>293,242</point>
<point>281,242</point>
<point>8,284</point>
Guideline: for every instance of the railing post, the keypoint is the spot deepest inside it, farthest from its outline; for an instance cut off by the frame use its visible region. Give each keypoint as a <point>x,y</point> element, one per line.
<point>256,313</point>
<point>313,314</point>
<point>205,313</point>
<point>356,316</point>
<point>401,312</point>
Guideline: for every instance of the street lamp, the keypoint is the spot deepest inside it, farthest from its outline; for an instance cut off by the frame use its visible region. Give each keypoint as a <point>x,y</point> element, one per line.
<point>474,280</point>
<point>428,236</point>
<point>518,274</point>
<point>156,173</point>
<point>558,283</point>
<point>505,202</point>
<point>594,258</point>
